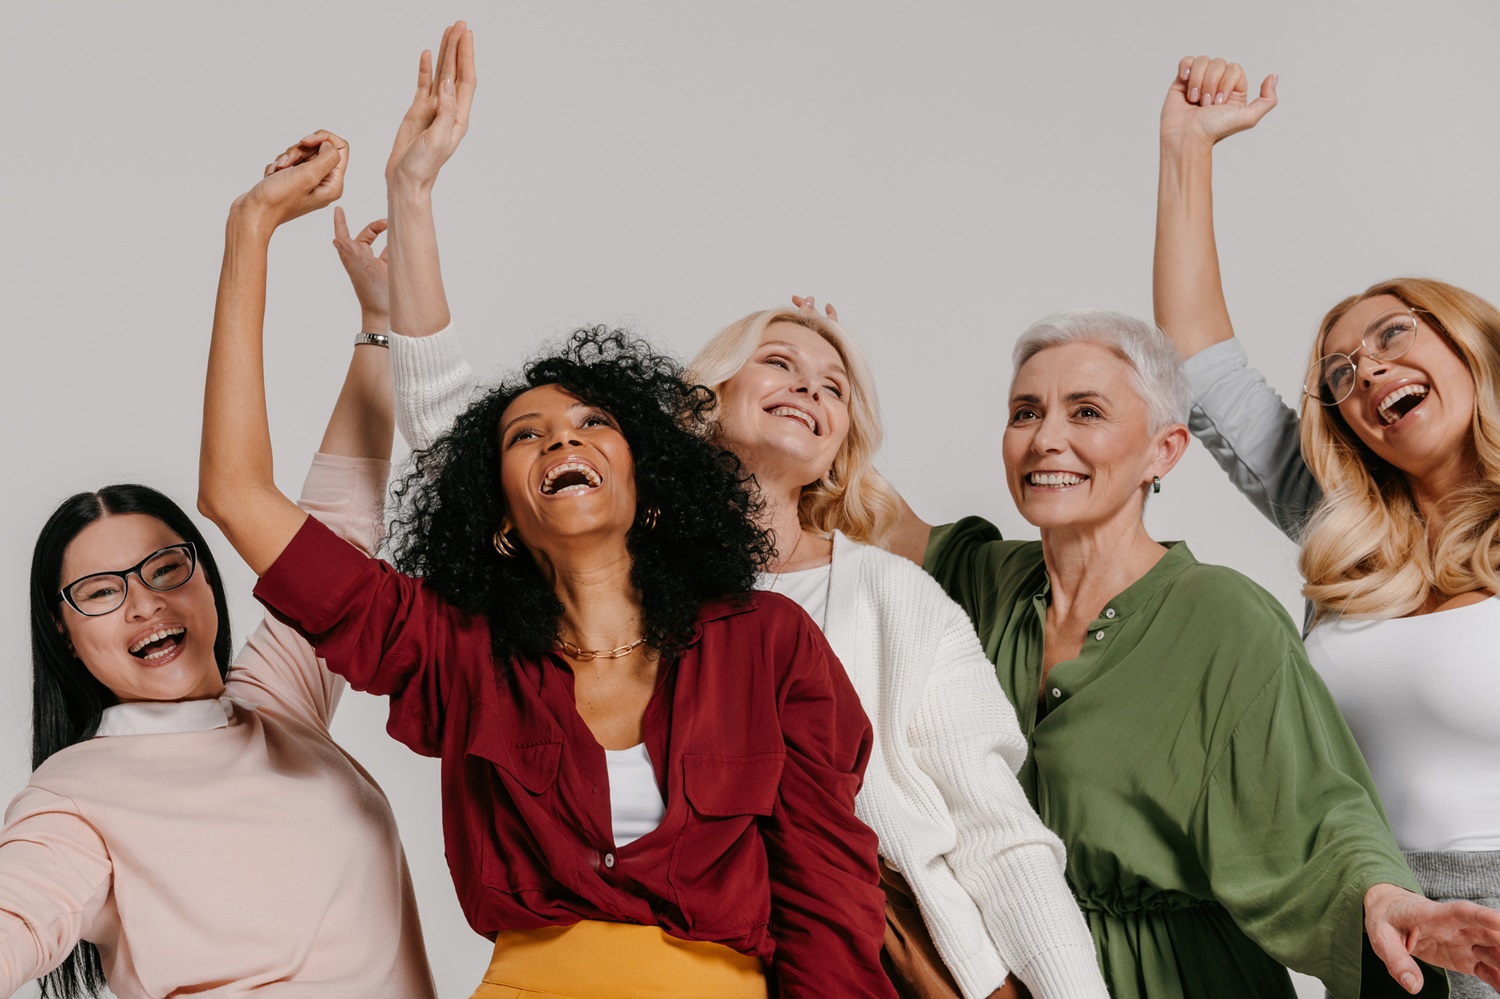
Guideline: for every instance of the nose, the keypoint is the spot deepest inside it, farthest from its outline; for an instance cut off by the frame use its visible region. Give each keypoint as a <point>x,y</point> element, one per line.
<point>141,601</point>
<point>808,390</point>
<point>1368,367</point>
<point>564,439</point>
<point>1048,437</point>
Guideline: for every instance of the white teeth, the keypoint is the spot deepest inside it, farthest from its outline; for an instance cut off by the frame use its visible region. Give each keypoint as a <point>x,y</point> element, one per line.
<point>593,478</point>
<point>156,636</point>
<point>796,414</point>
<point>1386,416</point>
<point>1054,479</point>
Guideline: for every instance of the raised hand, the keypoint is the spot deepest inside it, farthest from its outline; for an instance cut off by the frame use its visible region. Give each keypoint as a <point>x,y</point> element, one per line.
<point>367,272</point>
<point>1207,101</point>
<point>1459,936</point>
<point>439,113</point>
<point>809,306</point>
<point>308,176</point>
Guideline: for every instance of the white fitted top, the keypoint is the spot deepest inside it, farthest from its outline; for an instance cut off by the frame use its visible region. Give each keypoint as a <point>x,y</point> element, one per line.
<point>809,587</point>
<point>635,805</point>
<point>1422,697</point>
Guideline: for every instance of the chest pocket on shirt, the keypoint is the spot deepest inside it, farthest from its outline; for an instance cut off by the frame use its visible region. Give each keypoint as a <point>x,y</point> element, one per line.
<point>533,766</point>
<point>722,855</point>
<point>720,786</point>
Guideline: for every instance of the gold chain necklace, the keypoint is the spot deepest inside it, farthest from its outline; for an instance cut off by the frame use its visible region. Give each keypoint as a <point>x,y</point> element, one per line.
<point>776,576</point>
<point>584,655</point>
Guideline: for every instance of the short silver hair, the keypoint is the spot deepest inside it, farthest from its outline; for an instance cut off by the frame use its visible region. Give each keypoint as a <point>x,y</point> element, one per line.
<point>1155,369</point>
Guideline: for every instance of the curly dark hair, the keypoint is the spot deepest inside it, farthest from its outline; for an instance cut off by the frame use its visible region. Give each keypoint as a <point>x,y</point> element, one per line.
<point>704,544</point>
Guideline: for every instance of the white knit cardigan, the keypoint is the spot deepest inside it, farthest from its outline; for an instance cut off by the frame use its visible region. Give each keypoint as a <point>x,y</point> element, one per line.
<point>940,790</point>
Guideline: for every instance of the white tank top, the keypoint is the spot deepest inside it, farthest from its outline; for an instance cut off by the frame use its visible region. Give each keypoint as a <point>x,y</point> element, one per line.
<point>1422,697</point>
<point>635,805</point>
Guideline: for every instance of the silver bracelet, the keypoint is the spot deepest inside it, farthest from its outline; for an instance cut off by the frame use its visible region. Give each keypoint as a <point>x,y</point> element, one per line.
<point>373,339</point>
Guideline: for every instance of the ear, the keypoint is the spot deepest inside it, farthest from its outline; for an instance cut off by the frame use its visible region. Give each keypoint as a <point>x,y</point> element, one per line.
<point>1171,445</point>
<point>62,630</point>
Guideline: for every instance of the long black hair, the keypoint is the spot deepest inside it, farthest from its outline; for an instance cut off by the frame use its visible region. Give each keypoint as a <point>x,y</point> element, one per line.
<point>700,543</point>
<point>67,702</point>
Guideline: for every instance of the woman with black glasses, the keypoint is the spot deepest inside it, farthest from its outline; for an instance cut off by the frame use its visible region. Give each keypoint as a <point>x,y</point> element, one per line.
<point>1390,481</point>
<point>191,826</point>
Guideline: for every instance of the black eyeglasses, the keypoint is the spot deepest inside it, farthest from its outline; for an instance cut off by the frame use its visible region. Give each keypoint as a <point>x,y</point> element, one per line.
<point>103,592</point>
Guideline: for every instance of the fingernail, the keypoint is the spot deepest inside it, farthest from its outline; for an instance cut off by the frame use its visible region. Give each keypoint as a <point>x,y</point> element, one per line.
<point>1409,983</point>
<point>280,160</point>
<point>447,86</point>
<point>308,138</point>
<point>1193,95</point>
<point>1219,98</point>
<point>1186,72</point>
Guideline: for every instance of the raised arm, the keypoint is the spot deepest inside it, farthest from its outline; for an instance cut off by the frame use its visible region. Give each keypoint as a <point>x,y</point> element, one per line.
<point>345,489</point>
<point>1205,103</point>
<point>236,487</point>
<point>432,129</point>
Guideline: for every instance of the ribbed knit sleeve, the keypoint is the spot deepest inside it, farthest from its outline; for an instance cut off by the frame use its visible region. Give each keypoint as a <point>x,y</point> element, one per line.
<point>433,385</point>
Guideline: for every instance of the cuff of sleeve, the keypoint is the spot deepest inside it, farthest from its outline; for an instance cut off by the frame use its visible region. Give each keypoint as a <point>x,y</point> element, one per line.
<point>1064,971</point>
<point>1211,363</point>
<point>348,496</point>
<point>306,583</point>
<point>428,360</point>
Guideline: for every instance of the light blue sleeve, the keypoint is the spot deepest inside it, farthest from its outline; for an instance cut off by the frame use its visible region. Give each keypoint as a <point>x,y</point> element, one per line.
<point>1252,434</point>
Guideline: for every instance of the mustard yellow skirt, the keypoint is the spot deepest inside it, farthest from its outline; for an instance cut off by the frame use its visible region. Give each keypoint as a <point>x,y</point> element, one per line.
<point>599,960</point>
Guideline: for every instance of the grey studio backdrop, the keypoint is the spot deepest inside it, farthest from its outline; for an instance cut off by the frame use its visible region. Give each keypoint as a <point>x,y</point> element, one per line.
<point>944,173</point>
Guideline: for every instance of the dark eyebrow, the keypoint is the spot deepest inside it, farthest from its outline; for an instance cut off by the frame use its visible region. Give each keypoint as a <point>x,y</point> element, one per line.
<point>579,404</point>
<point>518,419</point>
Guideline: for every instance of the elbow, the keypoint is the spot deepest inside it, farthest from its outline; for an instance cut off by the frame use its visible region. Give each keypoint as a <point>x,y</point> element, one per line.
<point>213,502</point>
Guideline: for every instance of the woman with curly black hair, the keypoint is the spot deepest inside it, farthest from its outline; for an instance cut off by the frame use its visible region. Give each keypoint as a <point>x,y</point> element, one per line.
<point>649,770</point>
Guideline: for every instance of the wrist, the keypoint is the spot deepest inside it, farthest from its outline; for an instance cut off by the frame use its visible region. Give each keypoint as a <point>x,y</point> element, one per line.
<point>1382,896</point>
<point>373,322</point>
<point>408,192</point>
<point>1186,145</point>
<point>248,222</point>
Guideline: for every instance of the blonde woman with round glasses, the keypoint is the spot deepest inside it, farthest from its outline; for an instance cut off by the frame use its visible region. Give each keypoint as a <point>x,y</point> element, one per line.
<point>1390,481</point>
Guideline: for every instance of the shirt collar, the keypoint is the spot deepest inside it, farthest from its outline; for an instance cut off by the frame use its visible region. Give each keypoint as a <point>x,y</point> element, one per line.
<point>165,717</point>
<point>1139,593</point>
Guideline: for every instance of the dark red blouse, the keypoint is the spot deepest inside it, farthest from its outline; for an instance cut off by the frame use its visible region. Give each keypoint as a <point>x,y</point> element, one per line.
<point>756,735</point>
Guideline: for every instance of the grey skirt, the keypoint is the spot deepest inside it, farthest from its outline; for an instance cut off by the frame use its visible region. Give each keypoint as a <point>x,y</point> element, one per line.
<point>1452,875</point>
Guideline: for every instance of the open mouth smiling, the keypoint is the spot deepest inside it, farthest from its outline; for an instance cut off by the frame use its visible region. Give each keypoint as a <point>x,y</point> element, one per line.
<point>1400,401</point>
<point>1055,480</point>
<point>793,413</point>
<point>159,644</point>
<point>570,477</point>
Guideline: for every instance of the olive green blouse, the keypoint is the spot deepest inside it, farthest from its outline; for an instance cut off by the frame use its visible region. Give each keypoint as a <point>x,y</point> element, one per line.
<point>1218,816</point>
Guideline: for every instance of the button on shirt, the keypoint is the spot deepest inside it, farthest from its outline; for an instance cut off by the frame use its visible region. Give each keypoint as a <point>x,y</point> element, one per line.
<point>756,737</point>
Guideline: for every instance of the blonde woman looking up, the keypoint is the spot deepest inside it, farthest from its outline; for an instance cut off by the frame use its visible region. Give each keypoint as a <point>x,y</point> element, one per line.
<point>1389,480</point>
<point>797,404</point>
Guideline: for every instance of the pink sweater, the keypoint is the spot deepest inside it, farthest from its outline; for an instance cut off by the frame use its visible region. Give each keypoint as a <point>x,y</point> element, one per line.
<point>235,849</point>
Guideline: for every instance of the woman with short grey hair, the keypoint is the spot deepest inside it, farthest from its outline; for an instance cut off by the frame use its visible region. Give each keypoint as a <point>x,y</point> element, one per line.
<point>1219,819</point>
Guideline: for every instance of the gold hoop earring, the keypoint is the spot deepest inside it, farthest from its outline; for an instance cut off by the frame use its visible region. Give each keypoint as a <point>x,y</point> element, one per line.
<point>503,544</point>
<point>1156,483</point>
<point>649,517</point>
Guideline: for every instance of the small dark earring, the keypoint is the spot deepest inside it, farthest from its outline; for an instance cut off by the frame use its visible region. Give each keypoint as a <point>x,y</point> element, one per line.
<point>503,544</point>
<point>649,517</point>
<point>1156,483</point>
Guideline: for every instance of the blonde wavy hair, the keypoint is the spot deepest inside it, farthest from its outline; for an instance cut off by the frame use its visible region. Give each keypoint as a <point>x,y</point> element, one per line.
<point>852,496</point>
<point>1366,550</point>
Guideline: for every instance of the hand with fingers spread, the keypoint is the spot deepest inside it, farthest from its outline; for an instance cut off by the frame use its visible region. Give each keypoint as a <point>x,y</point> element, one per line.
<point>1208,101</point>
<point>367,271</point>
<point>809,305</point>
<point>308,176</point>
<point>1460,936</point>
<point>439,114</point>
